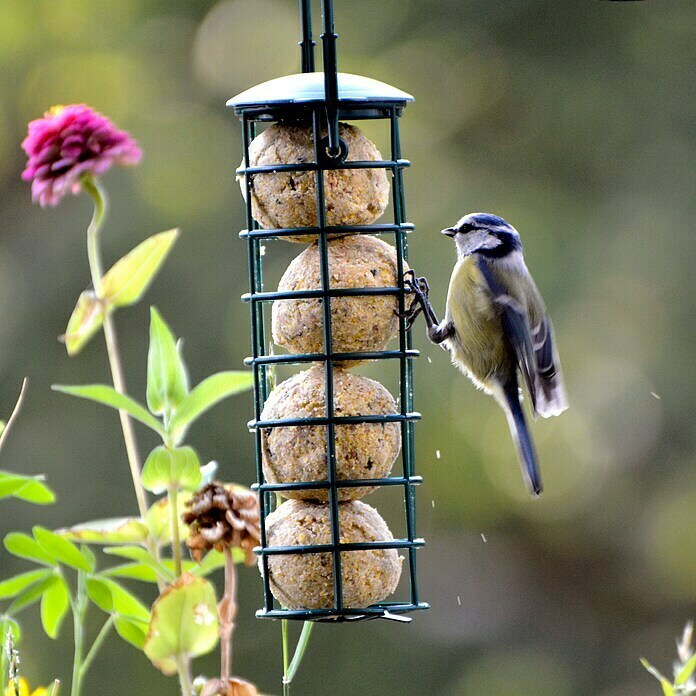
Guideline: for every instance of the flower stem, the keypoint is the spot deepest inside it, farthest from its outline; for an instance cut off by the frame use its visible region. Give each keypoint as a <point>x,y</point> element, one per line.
<point>228,611</point>
<point>93,187</point>
<point>302,643</point>
<point>174,523</point>
<point>14,414</point>
<point>182,667</point>
<point>79,610</point>
<point>286,656</point>
<point>101,636</point>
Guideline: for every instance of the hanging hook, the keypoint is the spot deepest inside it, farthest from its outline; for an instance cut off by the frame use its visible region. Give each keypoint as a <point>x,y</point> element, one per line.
<point>328,38</point>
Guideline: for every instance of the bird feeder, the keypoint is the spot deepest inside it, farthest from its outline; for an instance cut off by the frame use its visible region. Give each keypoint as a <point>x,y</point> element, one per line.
<point>319,102</point>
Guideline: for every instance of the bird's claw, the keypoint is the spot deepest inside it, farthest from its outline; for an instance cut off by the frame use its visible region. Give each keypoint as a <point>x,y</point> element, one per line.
<point>421,289</point>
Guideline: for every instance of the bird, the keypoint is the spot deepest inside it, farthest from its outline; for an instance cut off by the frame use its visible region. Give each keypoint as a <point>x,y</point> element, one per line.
<point>496,328</point>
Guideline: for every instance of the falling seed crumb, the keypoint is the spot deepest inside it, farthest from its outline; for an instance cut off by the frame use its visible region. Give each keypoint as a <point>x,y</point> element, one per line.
<point>657,396</point>
<point>437,454</point>
<point>432,502</point>
<point>483,536</point>
<point>429,360</point>
<point>459,600</point>
<point>262,251</point>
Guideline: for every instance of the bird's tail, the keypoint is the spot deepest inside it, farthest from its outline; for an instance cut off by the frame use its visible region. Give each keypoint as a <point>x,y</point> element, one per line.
<point>523,441</point>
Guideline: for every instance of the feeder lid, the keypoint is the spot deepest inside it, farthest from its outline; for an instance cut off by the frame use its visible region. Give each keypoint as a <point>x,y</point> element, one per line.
<point>305,88</point>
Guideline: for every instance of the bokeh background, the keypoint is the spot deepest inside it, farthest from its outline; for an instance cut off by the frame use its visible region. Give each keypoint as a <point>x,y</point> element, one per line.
<point>575,121</point>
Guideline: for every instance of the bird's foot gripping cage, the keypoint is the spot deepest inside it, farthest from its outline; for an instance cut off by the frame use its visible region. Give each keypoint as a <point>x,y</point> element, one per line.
<point>317,101</point>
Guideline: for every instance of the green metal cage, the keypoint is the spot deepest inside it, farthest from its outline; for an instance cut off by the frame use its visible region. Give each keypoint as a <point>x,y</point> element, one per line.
<point>320,100</point>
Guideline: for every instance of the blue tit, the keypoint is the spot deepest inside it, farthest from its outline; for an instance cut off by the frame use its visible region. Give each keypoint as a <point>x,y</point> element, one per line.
<point>496,327</point>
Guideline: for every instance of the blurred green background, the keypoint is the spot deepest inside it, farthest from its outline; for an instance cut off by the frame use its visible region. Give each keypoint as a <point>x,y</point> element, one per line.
<point>575,122</point>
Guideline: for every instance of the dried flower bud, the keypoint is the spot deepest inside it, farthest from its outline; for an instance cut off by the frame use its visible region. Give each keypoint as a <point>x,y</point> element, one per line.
<point>222,517</point>
<point>234,687</point>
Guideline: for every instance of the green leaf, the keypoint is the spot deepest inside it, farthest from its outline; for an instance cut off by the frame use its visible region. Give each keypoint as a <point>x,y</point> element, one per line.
<point>108,396</point>
<point>54,605</point>
<point>125,603</point>
<point>37,492</point>
<point>22,545</point>
<point>100,594</point>
<point>86,319</point>
<point>666,684</point>
<point>110,597</point>
<point>13,586</point>
<point>131,571</point>
<point>28,488</point>
<point>686,671</point>
<point>7,623</point>
<point>62,550</point>
<point>116,530</point>
<point>184,623</point>
<point>10,483</point>
<point>208,393</point>
<point>131,630</point>
<point>166,374</point>
<point>651,669</point>
<point>139,554</point>
<point>158,519</point>
<point>128,279</point>
<point>31,595</point>
<point>88,554</point>
<point>167,467</point>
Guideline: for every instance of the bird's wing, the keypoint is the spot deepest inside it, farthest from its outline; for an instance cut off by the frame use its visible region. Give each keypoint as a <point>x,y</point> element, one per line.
<point>515,323</point>
<point>550,389</point>
<point>528,328</point>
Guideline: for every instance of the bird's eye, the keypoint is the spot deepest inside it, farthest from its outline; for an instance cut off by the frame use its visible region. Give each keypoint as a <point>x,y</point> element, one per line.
<point>466,227</point>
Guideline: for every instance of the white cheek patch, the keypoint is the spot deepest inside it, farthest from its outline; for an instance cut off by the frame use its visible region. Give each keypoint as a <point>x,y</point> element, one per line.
<point>490,242</point>
<point>474,240</point>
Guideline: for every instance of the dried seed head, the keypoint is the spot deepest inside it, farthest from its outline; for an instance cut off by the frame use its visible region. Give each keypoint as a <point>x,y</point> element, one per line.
<point>222,517</point>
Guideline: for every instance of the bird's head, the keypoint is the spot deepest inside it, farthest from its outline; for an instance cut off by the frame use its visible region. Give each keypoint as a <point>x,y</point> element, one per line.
<point>485,234</point>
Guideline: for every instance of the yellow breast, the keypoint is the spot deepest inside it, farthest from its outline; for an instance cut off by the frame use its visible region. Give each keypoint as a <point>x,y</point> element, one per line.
<point>478,346</point>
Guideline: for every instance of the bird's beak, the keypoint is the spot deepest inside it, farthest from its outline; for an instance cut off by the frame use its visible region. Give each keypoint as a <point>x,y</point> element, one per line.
<point>449,231</point>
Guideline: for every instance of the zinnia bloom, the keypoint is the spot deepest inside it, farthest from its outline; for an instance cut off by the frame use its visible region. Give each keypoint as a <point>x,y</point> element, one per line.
<point>70,141</point>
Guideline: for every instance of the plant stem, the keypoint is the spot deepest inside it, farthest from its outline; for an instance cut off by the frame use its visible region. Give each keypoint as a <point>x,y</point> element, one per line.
<point>174,522</point>
<point>14,414</point>
<point>92,186</point>
<point>182,667</point>
<point>286,656</point>
<point>227,610</point>
<point>79,610</point>
<point>96,645</point>
<point>289,671</point>
<point>284,625</point>
<point>302,643</point>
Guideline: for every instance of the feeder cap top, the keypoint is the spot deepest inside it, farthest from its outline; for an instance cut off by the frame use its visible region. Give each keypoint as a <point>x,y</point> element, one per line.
<point>309,87</point>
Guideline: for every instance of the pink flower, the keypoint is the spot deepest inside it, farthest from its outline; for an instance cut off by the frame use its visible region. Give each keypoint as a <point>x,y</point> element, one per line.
<point>70,141</point>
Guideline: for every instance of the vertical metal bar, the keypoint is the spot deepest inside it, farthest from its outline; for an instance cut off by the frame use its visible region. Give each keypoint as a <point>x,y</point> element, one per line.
<point>406,364</point>
<point>248,132</point>
<point>330,79</point>
<point>323,242</point>
<point>307,45</point>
